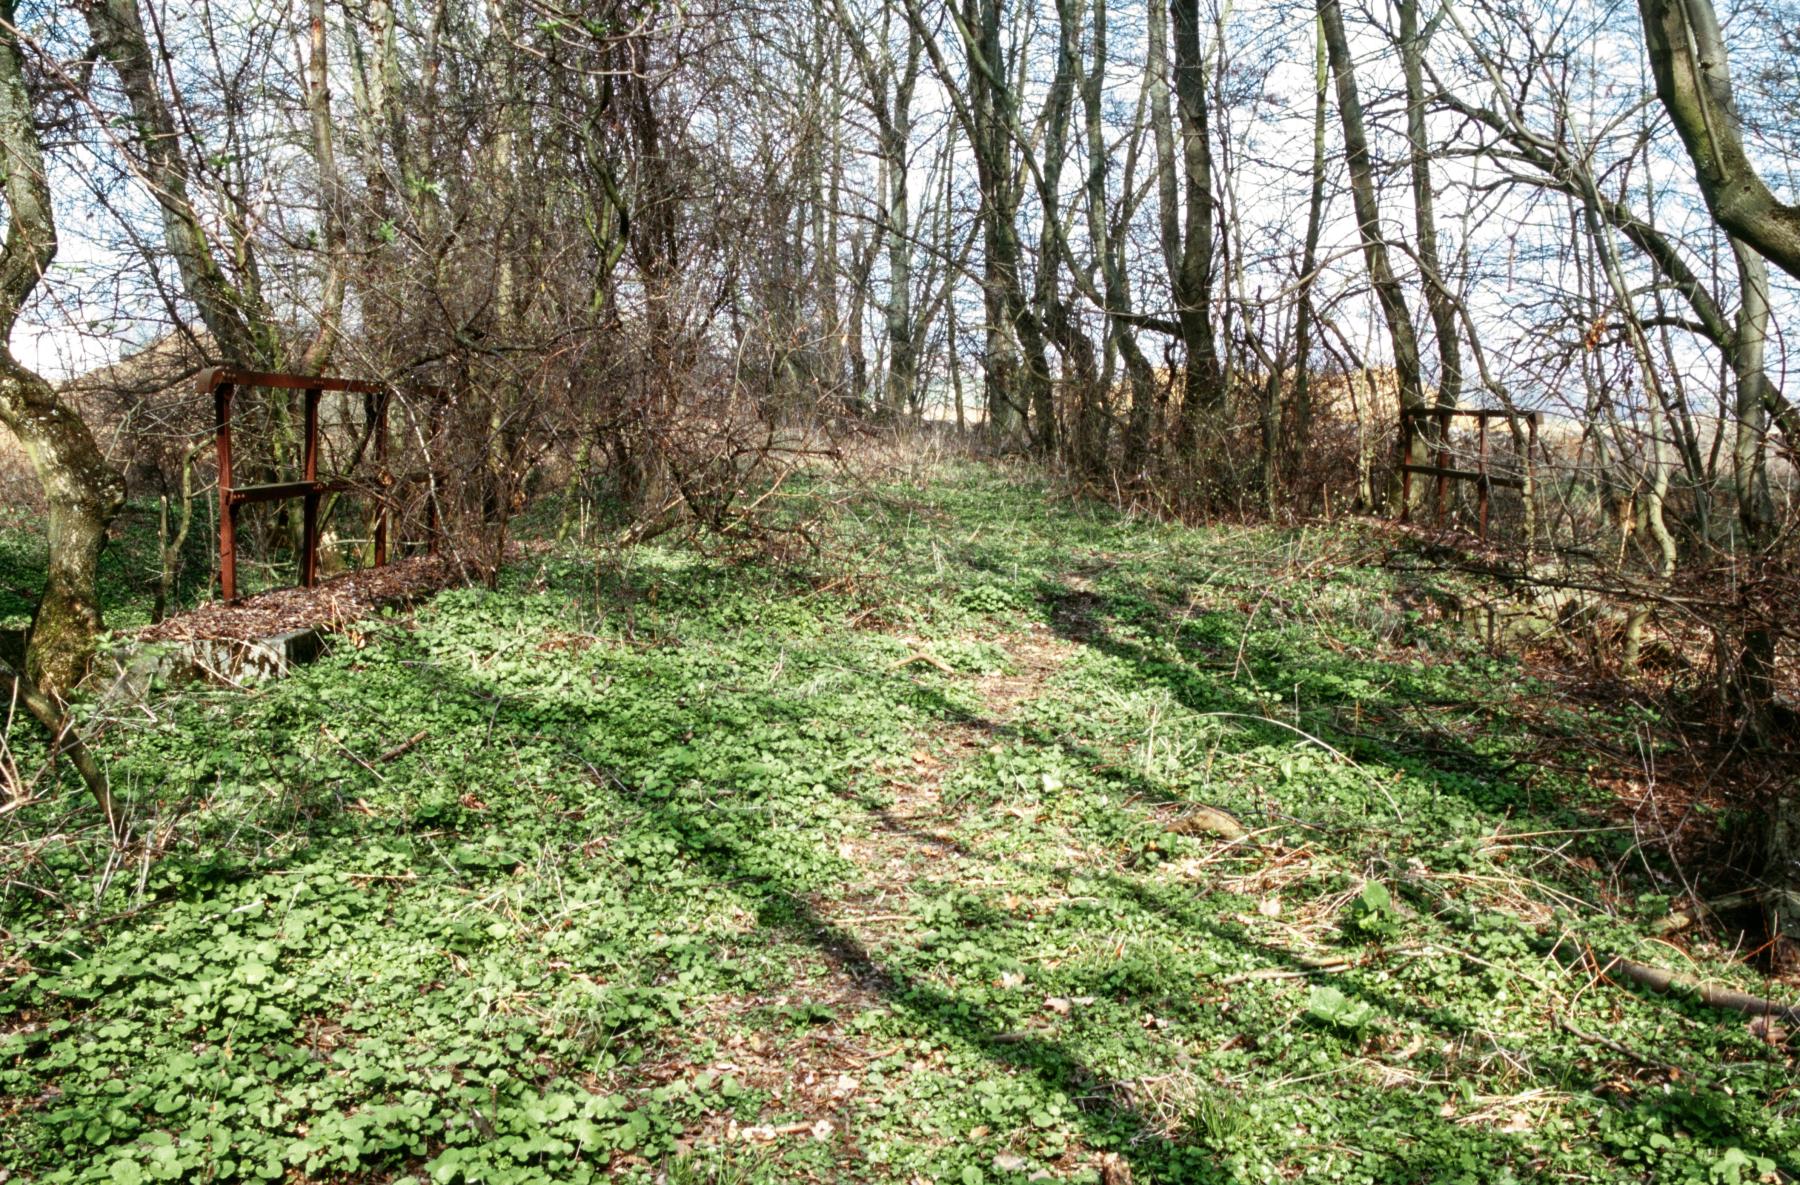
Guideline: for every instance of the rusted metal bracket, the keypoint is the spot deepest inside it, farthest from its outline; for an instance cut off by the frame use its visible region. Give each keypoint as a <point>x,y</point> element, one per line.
<point>223,384</point>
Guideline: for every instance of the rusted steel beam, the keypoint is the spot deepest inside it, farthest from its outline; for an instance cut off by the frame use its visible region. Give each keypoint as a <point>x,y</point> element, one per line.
<point>1407,432</point>
<point>1478,413</point>
<point>1443,460</point>
<point>1481,468</point>
<point>386,479</point>
<point>1509,483</point>
<point>281,490</point>
<point>434,482</point>
<point>287,382</point>
<point>1439,419</point>
<point>223,382</point>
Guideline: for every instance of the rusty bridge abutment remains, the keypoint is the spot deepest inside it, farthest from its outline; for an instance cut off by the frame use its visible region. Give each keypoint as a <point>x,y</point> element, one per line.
<point>1414,421</point>
<point>224,383</point>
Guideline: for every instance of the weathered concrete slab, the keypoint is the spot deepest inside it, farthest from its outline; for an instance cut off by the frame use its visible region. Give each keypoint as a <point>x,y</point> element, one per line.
<point>130,673</point>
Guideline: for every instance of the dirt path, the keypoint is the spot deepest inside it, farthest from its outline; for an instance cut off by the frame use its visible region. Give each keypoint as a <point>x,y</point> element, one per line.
<point>818,1069</point>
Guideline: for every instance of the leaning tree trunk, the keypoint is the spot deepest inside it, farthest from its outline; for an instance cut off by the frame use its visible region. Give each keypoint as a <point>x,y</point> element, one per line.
<point>1368,218</point>
<point>82,492</point>
<point>241,330</point>
<point>1693,79</point>
<point>1437,293</point>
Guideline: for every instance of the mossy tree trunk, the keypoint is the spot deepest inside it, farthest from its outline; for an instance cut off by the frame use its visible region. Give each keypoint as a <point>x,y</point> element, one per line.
<point>81,490</point>
<point>82,493</point>
<point>1782,900</point>
<point>1693,79</point>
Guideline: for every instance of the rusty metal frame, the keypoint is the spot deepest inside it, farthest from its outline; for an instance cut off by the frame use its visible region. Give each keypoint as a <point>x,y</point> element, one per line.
<point>223,384</point>
<point>1443,471</point>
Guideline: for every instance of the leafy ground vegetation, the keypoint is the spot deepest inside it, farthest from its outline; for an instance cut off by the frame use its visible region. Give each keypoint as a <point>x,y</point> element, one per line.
<point>129,567</point>
<point>886,868</point>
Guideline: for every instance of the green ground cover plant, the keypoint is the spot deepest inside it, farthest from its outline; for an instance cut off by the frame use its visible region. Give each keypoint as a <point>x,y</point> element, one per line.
<point>129,567</point>
<point>887,866</point>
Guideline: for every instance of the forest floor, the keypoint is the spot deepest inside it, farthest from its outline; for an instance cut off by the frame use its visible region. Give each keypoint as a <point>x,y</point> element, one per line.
<point>885,866</point>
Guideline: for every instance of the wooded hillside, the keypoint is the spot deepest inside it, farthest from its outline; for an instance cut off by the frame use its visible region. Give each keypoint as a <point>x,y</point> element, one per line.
<point>882,590</point>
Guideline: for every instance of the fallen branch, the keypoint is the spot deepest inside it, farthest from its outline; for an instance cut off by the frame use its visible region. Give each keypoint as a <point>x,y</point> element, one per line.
<point>1668,983</point>
<point>931,660</point>
<point>350,753</point>
<point>1602,966</point>
<point>1331,968</point>
<point>1619,1047</point>
<point>63,738</point>
<point>403,747</point>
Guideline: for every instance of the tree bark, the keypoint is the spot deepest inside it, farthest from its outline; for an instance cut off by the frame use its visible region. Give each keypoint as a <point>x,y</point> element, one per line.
<point>1109,244</point>
<point>317,353</point>
<point>1202,389</point>
<point>243,336</point>
<point>1437,294</point>
<point>991,117</point>
<point>896,138</point>
<point>1309,265</point>
<point>1059,323</point>
<point>81,490</point>
<point>1368,219</point>
<point>1693,79</point>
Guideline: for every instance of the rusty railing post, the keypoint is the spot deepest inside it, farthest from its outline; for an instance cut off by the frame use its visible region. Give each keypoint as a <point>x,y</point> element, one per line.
<point>309,523</point>
<point>433,525</point>
<point>1481,481</point>
<point>228,507</point>
<point>1443,463</point>
<point>1406,439</point>
<point>222,383</point>
<point>383,481</point>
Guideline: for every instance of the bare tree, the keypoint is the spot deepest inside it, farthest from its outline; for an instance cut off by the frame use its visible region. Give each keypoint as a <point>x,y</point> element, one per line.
<point>1388,290</point>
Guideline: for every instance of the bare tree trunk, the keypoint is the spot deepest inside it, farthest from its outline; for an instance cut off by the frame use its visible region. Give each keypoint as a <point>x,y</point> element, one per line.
<point>1202,388</point>
<point>317,354</point>
<point>81,490</point>
<point>1783,874</point>
<point>1756,512</point>
<point>1059,323</point>
<point>1309,261</point>
<point>242,333</point>
<point>1368,219</point>
<point>896,138</point>
<point>991,118</point>
<point>1437,294</point>
<point>827,178</point>
<point>1693,79</point>
<point>1751,671</point>
<point>1109,242</point>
